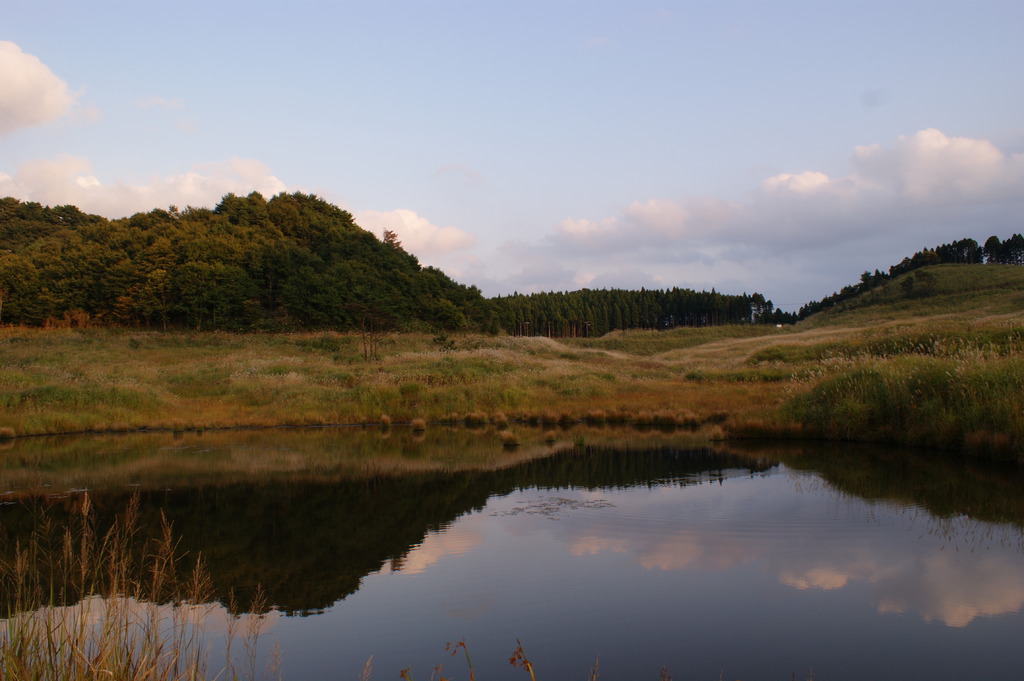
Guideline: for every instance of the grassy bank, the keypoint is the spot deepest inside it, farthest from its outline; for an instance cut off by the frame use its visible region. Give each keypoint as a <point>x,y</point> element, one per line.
<point>934,358</point>
<point>57,381</point>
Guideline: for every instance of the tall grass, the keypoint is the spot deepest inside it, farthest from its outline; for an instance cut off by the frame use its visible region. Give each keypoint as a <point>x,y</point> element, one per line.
<point>970,405</point>
<point>96,380</point>
<point>81,605</point>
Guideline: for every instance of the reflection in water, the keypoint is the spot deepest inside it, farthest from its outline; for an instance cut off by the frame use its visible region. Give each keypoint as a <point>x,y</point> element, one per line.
<point>766,525</point>
<point>310,529</point>
<point>451,541</point>
<point>757,562</point>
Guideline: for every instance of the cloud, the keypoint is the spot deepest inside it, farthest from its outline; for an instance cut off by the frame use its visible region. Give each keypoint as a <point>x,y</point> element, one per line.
<point>799,235</point>
<point>70,180</point>
<point>31,94</point>
<point>417,234</point>
<point>930,167</point>
<point>806,182</point>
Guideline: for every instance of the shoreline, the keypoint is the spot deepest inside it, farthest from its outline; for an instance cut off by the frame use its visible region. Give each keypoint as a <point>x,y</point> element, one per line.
<point>931,383</point>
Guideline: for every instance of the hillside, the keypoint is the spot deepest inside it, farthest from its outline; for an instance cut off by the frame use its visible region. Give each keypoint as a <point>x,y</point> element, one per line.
<point>962,291</point>
<point>292,262</point>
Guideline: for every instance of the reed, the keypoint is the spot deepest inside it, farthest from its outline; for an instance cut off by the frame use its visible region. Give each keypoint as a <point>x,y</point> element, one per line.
<point>971,405</point>
<point>518,660</point>
<point>84,606</point>
<point>475,419</point>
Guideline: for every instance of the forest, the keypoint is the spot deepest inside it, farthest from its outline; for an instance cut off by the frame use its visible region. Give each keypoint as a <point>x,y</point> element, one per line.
<point>295,262</point>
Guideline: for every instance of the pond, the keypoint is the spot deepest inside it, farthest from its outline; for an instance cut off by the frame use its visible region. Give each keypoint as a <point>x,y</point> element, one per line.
<point>631,549</point>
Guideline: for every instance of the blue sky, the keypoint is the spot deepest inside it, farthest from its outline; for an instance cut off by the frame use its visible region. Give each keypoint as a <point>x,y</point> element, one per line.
<point>782,147</point>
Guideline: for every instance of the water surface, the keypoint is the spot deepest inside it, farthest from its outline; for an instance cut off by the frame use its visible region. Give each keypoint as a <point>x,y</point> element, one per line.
<point>632,550</point>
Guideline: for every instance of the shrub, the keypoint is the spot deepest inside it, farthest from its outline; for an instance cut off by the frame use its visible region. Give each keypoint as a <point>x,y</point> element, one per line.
<point>508,438</point>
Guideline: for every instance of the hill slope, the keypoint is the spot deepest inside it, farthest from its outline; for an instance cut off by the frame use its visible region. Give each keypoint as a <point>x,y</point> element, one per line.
<point>961,291</point>
<point>294,261</point>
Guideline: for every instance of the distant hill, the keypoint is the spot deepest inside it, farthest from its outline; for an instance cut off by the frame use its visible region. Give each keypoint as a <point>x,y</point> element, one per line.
<point>962,252</point>
<point>968,291</point>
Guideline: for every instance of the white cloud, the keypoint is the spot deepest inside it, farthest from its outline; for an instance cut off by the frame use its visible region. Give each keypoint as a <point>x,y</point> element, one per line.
<point>930,166</point>
<point>802,183</point>
<point>70,180</point>
<point>30,93</point>
<point>799,235</point>
<point>661,216</point>
<point>417,234</point>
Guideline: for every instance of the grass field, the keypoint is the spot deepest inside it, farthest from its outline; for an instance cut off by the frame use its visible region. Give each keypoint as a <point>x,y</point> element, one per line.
<point>934,358</point>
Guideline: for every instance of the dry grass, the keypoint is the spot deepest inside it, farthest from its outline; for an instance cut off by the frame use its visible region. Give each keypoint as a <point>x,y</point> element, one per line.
<point>83,607</point>
<point>738,378</point>
<point>103,380</point>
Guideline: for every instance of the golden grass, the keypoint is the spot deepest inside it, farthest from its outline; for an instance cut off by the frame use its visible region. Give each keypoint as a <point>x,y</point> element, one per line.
<point>738,378</point>
<point>106,380</point>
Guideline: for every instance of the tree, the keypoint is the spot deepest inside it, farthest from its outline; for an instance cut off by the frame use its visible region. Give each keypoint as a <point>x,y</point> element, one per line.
<point>374,326</point>
<point>18,288</point>
<point>993,249</point>
<point>153,297</point>
<point>1013,250</point>
<point>391,239</point>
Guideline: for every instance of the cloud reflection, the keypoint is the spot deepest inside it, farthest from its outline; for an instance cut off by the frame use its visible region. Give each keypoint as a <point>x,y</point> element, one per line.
<point>936,576</point>
<point>454,541</point>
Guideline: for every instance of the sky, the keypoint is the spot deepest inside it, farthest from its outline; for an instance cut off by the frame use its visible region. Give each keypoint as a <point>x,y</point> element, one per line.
<point>772,146</point>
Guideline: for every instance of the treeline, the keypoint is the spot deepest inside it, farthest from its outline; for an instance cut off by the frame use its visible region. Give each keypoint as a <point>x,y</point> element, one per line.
<point>964,252</point>
<point>596,312</point>
<point>295,261</point>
